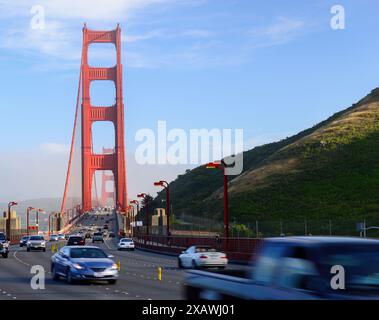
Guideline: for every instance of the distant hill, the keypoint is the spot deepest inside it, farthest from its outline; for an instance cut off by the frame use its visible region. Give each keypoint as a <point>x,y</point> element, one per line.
<point>330,171</point>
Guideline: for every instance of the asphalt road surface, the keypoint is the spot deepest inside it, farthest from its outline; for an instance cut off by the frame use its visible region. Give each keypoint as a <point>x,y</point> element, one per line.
<point>137,277</point>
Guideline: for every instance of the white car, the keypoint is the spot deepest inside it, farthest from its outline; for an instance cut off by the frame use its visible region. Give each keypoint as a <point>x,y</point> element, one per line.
<point>202,257</point>
<point>54,237</point>
<point>126,244</point>
<point>36,243</point>
<point>61,236</point>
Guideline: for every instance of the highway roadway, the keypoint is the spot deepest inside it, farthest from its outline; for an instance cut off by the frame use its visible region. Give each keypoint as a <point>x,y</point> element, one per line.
<point>137,278</point>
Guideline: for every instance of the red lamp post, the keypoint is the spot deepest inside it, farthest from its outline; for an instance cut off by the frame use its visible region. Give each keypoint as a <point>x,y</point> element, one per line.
<point>217,165</point>
<point>166,185</point>
<point>134,214</point>
<point>37,218</point>
<point>50,214</point>
<point>144,196</point>
<point>8,221</point>
<point>27,218</point>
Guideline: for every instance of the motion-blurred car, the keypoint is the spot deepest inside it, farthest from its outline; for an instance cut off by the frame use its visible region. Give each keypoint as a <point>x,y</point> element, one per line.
<point>76,241</point>
<point>54,237</point>
<point>83,264</point>
<point>202,257</point>
<point>23,241</point>
<point>4,245</point>
<point>61,236</point>
<point>125,244</point>
<point>296,268</point>
<point>98,236</point>
<point>36,243</point>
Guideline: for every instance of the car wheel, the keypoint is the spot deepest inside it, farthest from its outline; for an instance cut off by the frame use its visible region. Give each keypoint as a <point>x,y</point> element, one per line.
<point>28,249</point>
<point>44,250</point>
<point>112,281</point>
<point>180,264</point>
<point>5,255</point>
<point>69,278</point>
<point>194,265</point>
<point>55,275</point>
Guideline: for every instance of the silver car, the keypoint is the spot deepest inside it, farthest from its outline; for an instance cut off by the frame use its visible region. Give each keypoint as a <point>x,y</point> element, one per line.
<point>36,243</point>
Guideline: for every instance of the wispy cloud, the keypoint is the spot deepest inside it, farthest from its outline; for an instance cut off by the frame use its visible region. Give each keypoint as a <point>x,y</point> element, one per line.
<point>280,32</point>
<point>55,148</point>
<point>161,46</point>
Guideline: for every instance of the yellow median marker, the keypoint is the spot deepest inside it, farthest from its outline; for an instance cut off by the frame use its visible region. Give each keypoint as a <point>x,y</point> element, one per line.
<point>118,265</point>
<point>159,273</point>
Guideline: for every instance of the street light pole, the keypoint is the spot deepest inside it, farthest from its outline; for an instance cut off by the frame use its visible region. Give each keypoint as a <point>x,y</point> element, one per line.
<point>166,185</point>
<point>134,215</point>
<point>221,165</point>
<point>27,218</point>
<point>37,218</point>
<point>144,196</point>
<point>8,221</point>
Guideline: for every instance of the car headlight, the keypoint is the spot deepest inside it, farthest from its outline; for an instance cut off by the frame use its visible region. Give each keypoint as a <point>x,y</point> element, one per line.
<point>43,243</point>
<point>114,267</point>
<point>28,242</point>
<point>78,266</point>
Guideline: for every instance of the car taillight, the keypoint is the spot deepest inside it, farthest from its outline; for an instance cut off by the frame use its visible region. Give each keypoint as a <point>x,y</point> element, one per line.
<point>203,257</point>
<point>224,257</point>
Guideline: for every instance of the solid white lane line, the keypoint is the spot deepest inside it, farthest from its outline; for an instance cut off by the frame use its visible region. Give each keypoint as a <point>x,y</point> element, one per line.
<point>19,260</point>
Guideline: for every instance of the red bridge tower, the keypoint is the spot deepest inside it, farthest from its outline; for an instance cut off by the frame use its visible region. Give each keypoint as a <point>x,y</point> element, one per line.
<point>91,162</point>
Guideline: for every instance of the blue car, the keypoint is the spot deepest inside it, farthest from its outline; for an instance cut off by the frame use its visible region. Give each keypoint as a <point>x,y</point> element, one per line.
<point>83,263</point>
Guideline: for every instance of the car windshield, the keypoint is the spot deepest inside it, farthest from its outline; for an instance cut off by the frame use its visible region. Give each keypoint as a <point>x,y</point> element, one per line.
<point>91,253</point>
<point>36,238</point>
<point>126,240</point>
<point>205,249</point>
<point>361,264</point>
<point>2,236</point>
<point>25,238</point>
<point>98,234</point>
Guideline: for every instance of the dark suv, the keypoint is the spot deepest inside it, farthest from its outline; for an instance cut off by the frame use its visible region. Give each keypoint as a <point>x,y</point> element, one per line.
<point>76,241</point>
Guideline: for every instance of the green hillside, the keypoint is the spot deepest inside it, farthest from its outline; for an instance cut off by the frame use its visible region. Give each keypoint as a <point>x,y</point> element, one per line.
<point>328,172</point>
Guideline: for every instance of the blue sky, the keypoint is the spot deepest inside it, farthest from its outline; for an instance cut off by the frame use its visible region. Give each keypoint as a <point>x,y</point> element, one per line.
<point>271,68</point>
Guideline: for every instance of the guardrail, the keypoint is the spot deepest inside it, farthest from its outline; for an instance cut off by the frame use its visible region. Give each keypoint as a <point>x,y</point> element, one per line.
<point>237,249</point>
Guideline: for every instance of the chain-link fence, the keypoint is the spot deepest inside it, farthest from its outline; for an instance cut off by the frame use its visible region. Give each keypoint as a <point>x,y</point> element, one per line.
<point>263,229</point>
